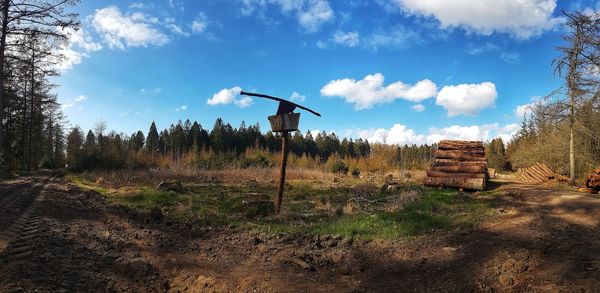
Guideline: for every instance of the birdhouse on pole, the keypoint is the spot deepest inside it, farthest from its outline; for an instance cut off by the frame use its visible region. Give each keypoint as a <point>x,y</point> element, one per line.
<point>284,122</point>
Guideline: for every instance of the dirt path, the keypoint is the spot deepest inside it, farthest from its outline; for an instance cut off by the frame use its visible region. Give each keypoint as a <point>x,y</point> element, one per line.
<point>56,238</point>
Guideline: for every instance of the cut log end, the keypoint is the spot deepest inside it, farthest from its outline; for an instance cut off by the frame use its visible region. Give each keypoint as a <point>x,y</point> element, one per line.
<point>466,183</point>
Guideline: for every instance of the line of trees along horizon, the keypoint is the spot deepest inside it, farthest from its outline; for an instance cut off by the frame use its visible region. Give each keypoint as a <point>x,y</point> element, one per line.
<point>188,143</point>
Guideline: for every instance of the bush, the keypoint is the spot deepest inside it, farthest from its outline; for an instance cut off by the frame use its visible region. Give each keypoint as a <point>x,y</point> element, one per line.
<point>339,167</point>
<point>355,172</point>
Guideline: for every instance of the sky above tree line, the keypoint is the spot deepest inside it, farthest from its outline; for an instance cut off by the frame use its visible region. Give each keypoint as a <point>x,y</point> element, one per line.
<point>395,71</point>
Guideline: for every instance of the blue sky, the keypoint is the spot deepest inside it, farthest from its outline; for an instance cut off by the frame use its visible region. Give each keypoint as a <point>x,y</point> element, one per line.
<point>399,71</point>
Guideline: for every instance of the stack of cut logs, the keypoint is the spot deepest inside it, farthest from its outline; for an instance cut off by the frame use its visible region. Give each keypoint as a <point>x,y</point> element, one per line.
<point>459,164</point>
<point>538,173</point>
<point>592,182</point>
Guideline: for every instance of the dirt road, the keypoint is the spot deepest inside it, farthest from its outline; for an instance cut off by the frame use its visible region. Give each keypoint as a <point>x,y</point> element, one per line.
<point>57,238</point>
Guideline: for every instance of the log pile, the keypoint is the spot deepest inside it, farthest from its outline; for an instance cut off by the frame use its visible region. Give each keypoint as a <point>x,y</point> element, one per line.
<point>592,181</point>
<point>459,164</point>
<point>537,174</point>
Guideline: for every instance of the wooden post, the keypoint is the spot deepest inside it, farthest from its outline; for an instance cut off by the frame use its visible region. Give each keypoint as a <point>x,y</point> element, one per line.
<point>284,157</point>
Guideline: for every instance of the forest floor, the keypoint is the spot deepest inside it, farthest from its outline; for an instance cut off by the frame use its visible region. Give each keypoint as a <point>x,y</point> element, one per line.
<point>65,234</point>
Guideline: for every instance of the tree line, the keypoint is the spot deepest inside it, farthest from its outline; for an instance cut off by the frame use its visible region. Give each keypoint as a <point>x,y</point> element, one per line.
<point>32,34</point>
<point>222,146</point>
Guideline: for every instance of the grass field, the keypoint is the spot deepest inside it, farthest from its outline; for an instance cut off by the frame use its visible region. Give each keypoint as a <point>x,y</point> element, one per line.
<point>342,207</point>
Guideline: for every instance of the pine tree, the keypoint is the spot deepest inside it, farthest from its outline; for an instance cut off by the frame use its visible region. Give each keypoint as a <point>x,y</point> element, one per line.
<point>74,147</point>
<point>152,140</point>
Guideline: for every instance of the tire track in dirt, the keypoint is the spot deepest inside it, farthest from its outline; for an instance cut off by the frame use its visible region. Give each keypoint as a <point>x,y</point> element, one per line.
<point>21,226</point>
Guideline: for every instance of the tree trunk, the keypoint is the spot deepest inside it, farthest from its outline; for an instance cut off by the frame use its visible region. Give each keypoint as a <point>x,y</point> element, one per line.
<point>459,155</point>
<point>5,7</point>
<point>460,169</point>
<point>440,174</point>
<point>466,183</point>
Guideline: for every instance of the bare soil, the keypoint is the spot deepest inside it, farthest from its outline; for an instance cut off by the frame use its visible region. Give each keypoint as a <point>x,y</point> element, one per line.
<point>55,237</point>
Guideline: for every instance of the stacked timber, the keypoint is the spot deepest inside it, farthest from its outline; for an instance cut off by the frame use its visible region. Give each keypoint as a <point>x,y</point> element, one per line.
<point>592,181</point>
<point>459,164</point>
<point>537,174</point>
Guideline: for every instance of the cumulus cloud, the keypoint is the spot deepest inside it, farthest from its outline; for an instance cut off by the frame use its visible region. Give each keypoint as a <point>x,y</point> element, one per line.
<point>132,30</point>
<point>526,109</point>
<point>229,96</point>
<point>349,39</point>
<point>401,134</point>
<point>243,102</point>
<point>467,99</point>
<point>297,97</point>
<point>520,18</point>
<point>79,45</point>
<point>370,91</point>
<point>310,14</point>
<point>418,108</point>
<point>398,134</point>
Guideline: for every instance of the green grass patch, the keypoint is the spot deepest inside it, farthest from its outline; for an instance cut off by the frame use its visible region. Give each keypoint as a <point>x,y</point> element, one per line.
<point>311,208</point>
<point>435,210</point>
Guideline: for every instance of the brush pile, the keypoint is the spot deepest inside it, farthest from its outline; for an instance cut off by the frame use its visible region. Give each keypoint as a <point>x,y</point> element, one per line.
<point>459,164</point>
<point>592,181</point>
<point>537,174</point>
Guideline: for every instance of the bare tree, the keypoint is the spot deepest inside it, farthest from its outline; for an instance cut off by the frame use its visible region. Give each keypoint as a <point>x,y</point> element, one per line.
<point>579,63</point>
<point>30,33</point>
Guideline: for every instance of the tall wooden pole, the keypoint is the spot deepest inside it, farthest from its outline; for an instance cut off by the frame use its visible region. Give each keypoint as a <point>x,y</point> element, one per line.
<point>284,157</point>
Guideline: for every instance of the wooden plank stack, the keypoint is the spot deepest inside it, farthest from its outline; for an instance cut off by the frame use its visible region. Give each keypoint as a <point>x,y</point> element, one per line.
<point>459,164</point>
<point>537,174</point>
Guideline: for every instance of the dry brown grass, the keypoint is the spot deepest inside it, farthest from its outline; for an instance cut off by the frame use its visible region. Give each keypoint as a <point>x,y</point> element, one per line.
<point>228,176</point>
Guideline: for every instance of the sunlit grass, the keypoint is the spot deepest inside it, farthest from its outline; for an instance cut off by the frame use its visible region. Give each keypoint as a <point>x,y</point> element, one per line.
<point>309,207</point>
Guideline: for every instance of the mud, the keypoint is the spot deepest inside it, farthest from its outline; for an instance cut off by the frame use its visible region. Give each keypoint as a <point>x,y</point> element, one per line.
<point>57,238</point>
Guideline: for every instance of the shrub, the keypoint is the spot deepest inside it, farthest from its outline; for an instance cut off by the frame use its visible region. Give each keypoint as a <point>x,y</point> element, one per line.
<point>339,167</point>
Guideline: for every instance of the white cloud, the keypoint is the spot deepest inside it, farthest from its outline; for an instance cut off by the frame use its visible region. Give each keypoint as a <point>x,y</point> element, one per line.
<point>310,14</point>
<point>401,134</point>
<point>526,109</point>
<point>321,45</point>
<point>199,24</point>
<point>65,106</point>
<point>176,29</point>
<point>80,98</point>
<point>243,102</point>
<point>131,30</point>
<point>228,96</point>
<point>297,97</point>
<point>398,134</point>
<point>520,18</point>
<point>152,91</point>
<point>396,37</point>
<point>487,47</point>
<point>349,39</point>
<point>316,13</point>
<point>418,108</point>
<point>369,91</point>
<point>467,99</point>
<point>182,108</point>
<point>512,58</point>
<point>136,5</point>
<point>79,45</point>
